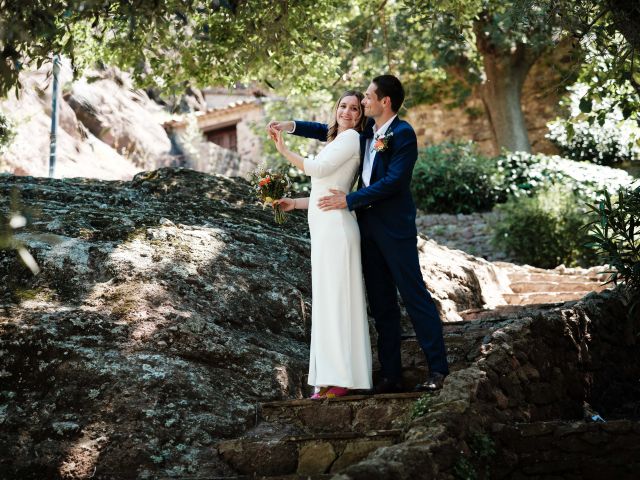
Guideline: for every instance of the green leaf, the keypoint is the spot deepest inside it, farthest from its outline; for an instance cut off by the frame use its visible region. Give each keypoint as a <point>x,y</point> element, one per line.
<point>586,105</point>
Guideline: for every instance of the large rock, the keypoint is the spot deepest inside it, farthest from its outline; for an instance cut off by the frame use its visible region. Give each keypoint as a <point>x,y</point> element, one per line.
<point>122,116</point>
<point>166,308</point>
<point>79,151</point>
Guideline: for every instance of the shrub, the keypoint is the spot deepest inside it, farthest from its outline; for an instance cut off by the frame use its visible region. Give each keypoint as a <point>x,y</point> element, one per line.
<point>422,406</point>
<point>7,132</point>
<point>520,173</point>
<point>615,234</point>
<point>453,178</point>
<point>597,132</point>
<point>544,230</point>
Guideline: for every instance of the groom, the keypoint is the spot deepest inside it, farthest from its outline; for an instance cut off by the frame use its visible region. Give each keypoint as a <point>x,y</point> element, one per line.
<point>386,217</point>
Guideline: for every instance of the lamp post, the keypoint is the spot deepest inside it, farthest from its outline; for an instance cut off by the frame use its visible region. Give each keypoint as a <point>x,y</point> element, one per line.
<point>54,117</point>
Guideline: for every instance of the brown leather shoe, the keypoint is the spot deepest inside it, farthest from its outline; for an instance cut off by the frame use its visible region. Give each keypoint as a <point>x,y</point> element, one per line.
<point>434,382</point>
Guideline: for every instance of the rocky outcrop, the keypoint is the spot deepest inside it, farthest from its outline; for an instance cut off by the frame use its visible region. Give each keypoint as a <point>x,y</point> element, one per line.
<point>123,117</point>
<point>107,128</point>
<point>80,153</point>
<point>166,307</point>
<point>169,307</point>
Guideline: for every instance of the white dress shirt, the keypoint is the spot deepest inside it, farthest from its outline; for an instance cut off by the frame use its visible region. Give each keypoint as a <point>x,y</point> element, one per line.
<point>370,153</point>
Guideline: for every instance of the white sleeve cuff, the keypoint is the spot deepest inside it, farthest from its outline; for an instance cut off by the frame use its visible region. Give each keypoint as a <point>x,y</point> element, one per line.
<point>309,167</point>
<point>294,127</point>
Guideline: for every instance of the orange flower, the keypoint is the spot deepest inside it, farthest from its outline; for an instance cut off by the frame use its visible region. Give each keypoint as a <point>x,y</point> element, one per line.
<point>379,145</point>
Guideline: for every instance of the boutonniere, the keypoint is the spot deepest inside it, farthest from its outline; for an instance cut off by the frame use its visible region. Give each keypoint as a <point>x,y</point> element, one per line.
<point>381,142</point>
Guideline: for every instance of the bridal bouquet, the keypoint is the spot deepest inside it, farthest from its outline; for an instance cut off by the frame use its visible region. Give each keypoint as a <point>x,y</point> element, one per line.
<point>270,186</point>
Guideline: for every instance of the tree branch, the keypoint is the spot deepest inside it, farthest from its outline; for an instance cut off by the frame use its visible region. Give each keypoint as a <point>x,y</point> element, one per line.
<point>594,21</point>
<point>632,80</point>
<point>380,7</point>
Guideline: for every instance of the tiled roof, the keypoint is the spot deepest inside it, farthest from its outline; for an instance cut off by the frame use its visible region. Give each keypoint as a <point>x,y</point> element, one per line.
<point>212,112</point>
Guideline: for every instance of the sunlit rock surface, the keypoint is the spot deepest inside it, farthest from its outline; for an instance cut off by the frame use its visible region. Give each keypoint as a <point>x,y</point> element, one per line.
<point>166,308</point>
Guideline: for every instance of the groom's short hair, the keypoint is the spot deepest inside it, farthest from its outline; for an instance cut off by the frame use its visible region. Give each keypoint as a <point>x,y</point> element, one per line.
<point>390,86</point>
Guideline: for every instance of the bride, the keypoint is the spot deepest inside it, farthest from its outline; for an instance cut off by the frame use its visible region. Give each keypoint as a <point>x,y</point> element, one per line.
<point>340,357</point>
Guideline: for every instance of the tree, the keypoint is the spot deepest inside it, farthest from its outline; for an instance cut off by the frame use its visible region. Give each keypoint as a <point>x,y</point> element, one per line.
<point>609,34</point>
<point>482,45</point>
<point>173,42</point>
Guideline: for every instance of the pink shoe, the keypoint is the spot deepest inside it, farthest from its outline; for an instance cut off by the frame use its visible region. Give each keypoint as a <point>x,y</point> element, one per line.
<point>320,394</point>
<point>334,392</point>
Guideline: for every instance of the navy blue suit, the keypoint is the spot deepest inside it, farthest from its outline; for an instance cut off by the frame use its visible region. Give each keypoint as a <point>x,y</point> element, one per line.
<point>387,220</point>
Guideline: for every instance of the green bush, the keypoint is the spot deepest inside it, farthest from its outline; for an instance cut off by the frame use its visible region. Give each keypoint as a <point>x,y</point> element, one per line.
<point>453,178</point>
<point>521,173</point>
<point>596,130</point>
<point>544,230</point>
<point>615,234</point>
<point>7,131</point>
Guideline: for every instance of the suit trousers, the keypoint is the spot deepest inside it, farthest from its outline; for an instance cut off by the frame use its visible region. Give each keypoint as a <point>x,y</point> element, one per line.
<point>390,266</point>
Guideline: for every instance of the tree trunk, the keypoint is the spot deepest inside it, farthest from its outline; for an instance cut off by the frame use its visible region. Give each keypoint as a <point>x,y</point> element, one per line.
<point>501,92</point>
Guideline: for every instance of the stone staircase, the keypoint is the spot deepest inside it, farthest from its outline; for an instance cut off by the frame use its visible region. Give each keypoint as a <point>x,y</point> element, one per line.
<point>313,439</point>
<point>533,286</point>
<point>307,439</point>
<point>316,438</point>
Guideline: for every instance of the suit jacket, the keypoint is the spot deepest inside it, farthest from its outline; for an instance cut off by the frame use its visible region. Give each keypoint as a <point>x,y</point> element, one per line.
<point>387,200</point>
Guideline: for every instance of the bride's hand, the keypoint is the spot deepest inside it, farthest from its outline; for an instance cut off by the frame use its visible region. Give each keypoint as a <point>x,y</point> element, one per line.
<point>286,204</point>
<point>278,139</point>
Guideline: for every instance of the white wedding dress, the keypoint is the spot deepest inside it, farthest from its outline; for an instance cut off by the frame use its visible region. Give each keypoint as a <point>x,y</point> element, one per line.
<point>340,346</point>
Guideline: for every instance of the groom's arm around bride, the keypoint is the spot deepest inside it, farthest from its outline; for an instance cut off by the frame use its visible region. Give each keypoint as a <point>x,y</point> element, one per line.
<point>386,217</point>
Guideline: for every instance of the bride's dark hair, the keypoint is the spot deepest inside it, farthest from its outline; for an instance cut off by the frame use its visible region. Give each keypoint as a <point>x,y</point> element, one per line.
<point>333,125</point>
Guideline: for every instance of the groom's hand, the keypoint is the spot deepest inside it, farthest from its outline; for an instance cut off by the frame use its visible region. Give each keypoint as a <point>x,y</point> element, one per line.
<point>277,126</point>
<point>333,202</point>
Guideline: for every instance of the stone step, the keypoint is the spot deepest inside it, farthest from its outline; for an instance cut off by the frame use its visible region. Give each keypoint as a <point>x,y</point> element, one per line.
<point>551,276</point>
<point>303,454</point>
<point>558,287</point>
<point>293,476</point>
<point>353,413</point>
<point>501,312</point>
<point>541,297</point>
<point>463,340</point>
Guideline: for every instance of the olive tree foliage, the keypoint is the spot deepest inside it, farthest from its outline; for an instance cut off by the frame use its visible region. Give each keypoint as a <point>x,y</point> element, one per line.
<point>609,33</point>
<point>483,46</point>
<point>386,37</point>
<point>170,43</point>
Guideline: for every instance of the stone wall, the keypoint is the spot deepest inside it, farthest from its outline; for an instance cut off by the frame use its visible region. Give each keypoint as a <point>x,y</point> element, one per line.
<point>614,360</point>
<point>204,156</point>
<point>568,450</point>
<point>533,368</point>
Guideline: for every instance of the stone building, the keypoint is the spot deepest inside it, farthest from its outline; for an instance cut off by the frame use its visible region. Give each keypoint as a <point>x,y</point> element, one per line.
<point>229,142</point>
